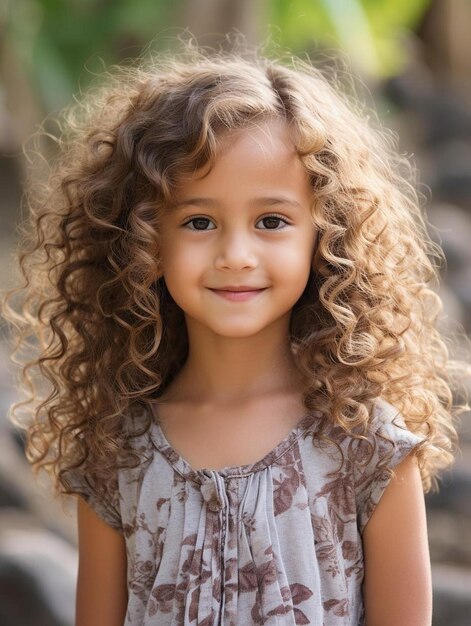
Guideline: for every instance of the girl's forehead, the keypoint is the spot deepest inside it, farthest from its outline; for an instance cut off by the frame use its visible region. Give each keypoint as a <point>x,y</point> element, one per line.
<point>268,132</point>
<point>268,145</point>
<point>259,162</point>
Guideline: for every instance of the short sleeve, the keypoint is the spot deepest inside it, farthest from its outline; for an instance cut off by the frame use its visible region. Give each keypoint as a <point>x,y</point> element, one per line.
<point>370,479</point>
<point>104,501</point>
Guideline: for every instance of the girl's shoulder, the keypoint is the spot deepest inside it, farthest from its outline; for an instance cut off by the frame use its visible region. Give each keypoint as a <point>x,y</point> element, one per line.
<point>389,425</point>
<point>386,415</point>
<point>363,463</point>
<point>386,422</point>
<point>105,496</point>
<point>373,459</point>
<point>138,424</point>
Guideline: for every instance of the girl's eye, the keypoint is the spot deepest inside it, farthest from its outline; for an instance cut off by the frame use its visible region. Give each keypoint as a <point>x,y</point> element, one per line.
<point>200,223</point>
<point>272,220</point>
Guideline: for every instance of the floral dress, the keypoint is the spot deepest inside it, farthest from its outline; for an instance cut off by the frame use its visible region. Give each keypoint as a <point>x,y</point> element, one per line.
<point>276,542</point>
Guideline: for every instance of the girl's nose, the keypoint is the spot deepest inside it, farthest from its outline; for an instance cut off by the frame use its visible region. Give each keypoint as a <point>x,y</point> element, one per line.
<point>236,251</point>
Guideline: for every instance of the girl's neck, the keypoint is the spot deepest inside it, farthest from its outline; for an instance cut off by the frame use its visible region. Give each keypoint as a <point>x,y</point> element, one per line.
<point>224,370</point>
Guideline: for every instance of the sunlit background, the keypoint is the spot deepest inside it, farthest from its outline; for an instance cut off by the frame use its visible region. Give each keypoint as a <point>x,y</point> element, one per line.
<point>414,58</point>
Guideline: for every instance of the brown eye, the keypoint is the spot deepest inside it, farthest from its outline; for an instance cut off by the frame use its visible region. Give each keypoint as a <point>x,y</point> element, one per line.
<point>199,223</point>
<point>272,221</point>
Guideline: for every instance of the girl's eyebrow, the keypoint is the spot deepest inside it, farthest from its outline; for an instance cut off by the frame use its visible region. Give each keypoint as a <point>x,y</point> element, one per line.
<point>264,201</point>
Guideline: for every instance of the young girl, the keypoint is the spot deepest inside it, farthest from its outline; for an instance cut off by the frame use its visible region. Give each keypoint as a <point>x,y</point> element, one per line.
<point>227,274</point>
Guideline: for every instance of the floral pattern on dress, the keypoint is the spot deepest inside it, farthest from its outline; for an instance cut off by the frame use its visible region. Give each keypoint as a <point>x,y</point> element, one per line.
<point>277,542</point>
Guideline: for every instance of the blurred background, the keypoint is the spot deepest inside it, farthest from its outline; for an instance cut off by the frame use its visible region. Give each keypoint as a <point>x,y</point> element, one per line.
<point>414,56</point>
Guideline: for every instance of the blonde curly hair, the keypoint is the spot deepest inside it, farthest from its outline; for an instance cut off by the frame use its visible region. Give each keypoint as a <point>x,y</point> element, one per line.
<point>109,337</point>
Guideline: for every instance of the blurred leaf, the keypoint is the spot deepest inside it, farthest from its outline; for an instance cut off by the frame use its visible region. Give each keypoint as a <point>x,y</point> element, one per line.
<point>71,36</point>
<point>62,41</point>
<point>369,31</point>
<point>53,77</point>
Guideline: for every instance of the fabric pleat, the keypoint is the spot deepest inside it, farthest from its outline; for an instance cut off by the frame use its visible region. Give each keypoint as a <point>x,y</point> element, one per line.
<point>277,542</point>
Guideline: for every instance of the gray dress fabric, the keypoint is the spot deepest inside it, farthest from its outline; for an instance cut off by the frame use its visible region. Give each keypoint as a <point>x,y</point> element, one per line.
<point>277,542</point>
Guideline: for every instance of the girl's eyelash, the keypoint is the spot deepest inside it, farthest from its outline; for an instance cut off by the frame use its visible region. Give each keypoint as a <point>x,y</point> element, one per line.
<point>203,217</point>
<point>279,217</point>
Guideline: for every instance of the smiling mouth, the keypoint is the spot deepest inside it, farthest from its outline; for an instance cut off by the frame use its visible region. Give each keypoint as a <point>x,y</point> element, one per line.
<point>241,288</point>
<point>236,295</point>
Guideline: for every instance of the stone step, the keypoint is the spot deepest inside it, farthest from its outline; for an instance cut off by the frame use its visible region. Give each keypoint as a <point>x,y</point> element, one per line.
<point>38,572</point>
<point>451,595</point>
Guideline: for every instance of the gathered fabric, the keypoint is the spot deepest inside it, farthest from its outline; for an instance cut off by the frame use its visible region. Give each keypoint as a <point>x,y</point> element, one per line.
<point>276,542</point>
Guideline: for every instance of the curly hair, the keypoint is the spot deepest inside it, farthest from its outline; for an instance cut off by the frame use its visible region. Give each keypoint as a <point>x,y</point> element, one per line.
<point>107,334</point>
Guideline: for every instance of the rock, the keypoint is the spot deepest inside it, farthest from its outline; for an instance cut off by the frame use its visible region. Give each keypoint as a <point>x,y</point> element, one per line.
<point>449,536</point>
<point>450,171</point>
<point>452,230</point>
<point>9,496</point>
<point>442,112</point>
<point>37,579</point>
<point>455,491</point>
<point>451,595</point>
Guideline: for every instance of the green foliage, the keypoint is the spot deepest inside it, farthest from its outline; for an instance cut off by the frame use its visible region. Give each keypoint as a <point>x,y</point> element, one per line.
<point>369,31</point>
<point>63,42</point>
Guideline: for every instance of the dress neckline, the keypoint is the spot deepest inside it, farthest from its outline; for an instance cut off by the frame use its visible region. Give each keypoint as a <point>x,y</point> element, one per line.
<point>201,475</point>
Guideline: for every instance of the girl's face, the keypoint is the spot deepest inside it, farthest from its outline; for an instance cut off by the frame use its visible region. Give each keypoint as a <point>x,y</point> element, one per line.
<point>245,224</point>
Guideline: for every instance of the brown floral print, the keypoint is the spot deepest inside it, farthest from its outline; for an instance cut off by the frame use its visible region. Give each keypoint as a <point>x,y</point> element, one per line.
<point>277,542</point>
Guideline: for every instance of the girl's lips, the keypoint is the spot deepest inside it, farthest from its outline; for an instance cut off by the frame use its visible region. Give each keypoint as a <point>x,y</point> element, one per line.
<point>237,296</point>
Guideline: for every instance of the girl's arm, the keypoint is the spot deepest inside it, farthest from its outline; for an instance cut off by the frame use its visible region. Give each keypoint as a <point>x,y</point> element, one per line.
<point>101,586</point>
<point>398,583</point>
